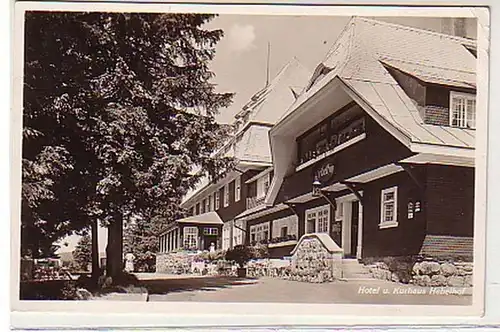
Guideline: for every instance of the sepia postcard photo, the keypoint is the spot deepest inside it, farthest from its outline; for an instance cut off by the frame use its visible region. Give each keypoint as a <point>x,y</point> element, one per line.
<point>169,156</point>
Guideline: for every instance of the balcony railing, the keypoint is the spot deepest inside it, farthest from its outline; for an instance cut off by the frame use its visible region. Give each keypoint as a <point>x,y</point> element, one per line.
<point>254,201</point>
<point>353,130</point>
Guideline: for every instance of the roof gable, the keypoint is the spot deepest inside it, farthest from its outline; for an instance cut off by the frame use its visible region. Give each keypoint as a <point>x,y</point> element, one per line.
<point>359,60</point>
<point>268,104</point>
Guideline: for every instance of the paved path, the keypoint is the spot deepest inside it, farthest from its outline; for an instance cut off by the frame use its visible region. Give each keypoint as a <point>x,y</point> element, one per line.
<point>221,289</point>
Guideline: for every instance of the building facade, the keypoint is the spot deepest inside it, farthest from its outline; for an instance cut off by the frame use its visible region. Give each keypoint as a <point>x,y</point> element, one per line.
<point>378,150</point>
<point>215,205</point>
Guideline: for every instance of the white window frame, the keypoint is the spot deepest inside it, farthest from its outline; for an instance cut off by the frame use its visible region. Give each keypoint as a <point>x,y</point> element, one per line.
<point>411,210</point>
<point>464,120</point>
<point>210,203</point>
<point>217,199</point>
<point>318,214</point>
<point>226,195</point>
<point>389,223</point>
<point>190,233</point>
<point>210,231</point>
<point>207,204</point>
<point>259,231</point>
<point>263,186</point>
<point>237,189</point>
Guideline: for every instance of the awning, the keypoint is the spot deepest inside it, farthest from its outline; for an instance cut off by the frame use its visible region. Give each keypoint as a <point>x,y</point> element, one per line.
<point>376,174</point>
<point>259,211</point>
<point>202,219</point>
<point>428,158</point>
<point>361,178</point>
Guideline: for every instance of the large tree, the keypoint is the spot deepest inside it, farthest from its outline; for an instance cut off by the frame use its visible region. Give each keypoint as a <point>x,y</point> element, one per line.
<point>118,108</point>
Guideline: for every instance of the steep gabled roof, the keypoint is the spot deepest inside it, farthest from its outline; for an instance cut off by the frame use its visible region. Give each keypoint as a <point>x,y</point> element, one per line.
<point>268,104</point>
<point>250,144</point>
<point>359,59</point>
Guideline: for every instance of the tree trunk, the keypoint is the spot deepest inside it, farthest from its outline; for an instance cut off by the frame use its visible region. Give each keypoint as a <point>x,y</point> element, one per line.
<point>95,252</point>
<point>114,249</point>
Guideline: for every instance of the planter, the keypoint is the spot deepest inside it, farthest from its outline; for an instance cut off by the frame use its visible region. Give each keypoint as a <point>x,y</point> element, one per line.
<point>241,272</point>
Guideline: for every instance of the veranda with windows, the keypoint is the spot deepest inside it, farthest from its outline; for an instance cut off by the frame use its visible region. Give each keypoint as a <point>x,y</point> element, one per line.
<point>195,233</point>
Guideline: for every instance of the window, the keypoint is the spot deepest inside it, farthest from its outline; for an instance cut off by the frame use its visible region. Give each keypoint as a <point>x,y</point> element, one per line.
<point>310,222</point>
<point>203,206</point>
<point>217,200</point>
<point>210,203</point>
<point>226,195</point>
<point>226,240</point>
<point>238,233</point>
<point>191,237</point>
<point>262,186</point>
<point>237,189</point>
<point>210,231</point>
<point>462,110</point>
<point>417,206</point>
<point>284,231</point>
<point>339,211</point>
<point>318,220</point>
<point>323,221</point>
<point>410,210</point>
<point>191,211</point>
<point>389,208</point>
<point>197,208</point>
<point>260,232</point>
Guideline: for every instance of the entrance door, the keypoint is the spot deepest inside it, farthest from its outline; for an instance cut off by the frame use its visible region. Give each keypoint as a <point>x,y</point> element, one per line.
<point>354,227</point>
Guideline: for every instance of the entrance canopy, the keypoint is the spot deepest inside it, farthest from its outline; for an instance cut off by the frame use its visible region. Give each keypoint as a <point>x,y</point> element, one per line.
<point>361,178</point>
<point>211,218</point>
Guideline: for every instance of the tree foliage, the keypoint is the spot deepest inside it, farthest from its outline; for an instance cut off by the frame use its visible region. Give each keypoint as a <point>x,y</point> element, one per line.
<point>82,254</point>
<point>117,109</point>
<point>141,239</point>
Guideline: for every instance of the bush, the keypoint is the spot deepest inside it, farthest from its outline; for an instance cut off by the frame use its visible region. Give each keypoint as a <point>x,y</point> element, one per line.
<point>402,266</point>
<point>240,255</point>
<point>259,251</point>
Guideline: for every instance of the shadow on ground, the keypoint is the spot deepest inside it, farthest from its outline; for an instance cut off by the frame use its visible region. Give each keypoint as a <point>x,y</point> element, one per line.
<point>164,286</point>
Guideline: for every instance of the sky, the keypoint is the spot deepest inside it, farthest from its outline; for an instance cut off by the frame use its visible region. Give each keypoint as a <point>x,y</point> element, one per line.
<point>241,56</point>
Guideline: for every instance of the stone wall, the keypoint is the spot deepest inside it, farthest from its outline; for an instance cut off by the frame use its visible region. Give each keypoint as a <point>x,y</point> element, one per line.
<point>316,258</point>
<point>174,263</point>
<point>429,272</point>
<point>275,268</point>
<point>436,273</point>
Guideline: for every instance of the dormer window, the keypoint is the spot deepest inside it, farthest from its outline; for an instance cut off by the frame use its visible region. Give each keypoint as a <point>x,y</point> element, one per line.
<point>462,110</point>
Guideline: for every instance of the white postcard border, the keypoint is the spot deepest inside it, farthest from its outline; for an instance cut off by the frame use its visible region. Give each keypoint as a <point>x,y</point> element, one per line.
<point>273,313</point>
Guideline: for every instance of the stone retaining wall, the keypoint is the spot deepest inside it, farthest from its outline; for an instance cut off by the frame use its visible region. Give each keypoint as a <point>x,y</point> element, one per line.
<point>435,273</point>
<point>174,263</point>
<point>275,268</point>
<point>429,272</point>
<point>316,259</point>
